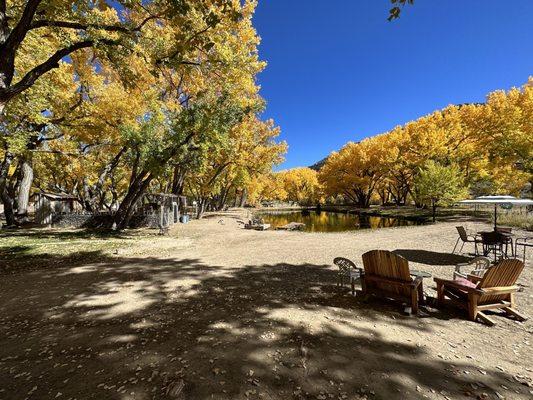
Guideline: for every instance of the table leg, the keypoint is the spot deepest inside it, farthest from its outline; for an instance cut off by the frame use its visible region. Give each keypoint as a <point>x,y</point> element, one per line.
<point>421,299</point>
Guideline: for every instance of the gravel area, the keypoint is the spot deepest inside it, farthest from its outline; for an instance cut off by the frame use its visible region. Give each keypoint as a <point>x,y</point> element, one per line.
<point>214,311</point>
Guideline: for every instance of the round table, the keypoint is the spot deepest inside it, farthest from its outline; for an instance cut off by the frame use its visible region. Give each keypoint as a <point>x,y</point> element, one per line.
<point>506,239</point>
<point>419,274</point>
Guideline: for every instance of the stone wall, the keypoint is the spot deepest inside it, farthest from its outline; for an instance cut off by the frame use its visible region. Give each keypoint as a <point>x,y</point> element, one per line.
<point>71,220</point>
<point>101,221</point>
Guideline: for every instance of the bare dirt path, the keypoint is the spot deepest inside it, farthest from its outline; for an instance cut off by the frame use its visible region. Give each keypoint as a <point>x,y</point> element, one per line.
<point>218,312</point>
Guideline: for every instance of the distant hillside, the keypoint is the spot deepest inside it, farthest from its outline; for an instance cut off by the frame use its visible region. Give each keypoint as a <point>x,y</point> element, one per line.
<point>318,165</point>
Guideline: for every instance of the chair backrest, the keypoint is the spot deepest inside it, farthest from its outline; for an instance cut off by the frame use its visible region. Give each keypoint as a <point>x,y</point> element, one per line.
<point>480,265</point>
<point>345,265</point>
<point>386,264</point>
<point>477,266</point>
<point>491,238</point>
<point>505,273</point>
<point>462,233</point>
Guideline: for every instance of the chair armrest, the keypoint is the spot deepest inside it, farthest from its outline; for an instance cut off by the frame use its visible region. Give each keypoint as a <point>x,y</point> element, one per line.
<point>459,273</point>
<point>461,265</point>
<point>356,272</point>
<point>500,290</point>
<point>475,236</point>
<point>474,278</point>
<point>456,285</point>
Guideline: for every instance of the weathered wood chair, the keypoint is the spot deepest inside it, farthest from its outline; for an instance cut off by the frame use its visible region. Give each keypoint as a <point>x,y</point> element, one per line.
<point>495,289</point>
<point>387,275</point>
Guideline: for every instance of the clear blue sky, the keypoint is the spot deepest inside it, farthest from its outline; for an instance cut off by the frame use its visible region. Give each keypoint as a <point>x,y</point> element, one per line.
<point>339,71</point>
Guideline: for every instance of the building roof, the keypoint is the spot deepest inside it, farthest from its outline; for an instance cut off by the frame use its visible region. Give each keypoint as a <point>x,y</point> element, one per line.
<point>58,196</point>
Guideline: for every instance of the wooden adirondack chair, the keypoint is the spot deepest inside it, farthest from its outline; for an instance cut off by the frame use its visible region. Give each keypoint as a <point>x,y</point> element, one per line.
<point>495,289</point>
<point>387,275</point>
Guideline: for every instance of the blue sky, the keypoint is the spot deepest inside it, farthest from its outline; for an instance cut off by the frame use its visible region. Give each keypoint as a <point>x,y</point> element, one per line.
<point>339,71</point>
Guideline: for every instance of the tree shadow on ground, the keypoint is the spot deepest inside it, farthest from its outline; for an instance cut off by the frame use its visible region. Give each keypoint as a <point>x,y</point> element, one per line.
<point>431,257</point>
<point>149,328</point>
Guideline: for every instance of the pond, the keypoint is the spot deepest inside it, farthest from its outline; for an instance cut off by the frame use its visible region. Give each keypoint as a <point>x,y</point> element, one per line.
<point>325,221</point>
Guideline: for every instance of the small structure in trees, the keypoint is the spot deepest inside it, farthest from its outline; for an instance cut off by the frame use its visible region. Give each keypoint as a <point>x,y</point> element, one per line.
<point>48,204</point>
<point>159,210</point>
<point>166,207</point>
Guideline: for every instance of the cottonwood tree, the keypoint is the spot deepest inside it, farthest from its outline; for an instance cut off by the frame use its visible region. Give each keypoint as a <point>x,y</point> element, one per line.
<point>396,10</point>
<point>301,185</point>
<point>66,27</point>
<point>490,143</point>
<point>439,185</point>
<point>227,165</point>
<point>132,41</point>
<point>357,170</point>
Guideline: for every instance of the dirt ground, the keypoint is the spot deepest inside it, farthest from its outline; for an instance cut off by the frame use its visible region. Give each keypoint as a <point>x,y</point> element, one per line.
<point>218,312</point>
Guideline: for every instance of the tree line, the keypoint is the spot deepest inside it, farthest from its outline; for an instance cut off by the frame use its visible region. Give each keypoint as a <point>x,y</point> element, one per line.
<point>461,150</point>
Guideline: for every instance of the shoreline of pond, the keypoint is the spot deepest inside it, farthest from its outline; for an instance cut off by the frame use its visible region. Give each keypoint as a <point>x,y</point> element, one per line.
<point>322,220</point>
<point>395,213</point>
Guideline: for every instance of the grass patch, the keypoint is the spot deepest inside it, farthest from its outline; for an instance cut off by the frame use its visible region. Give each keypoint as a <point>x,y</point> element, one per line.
<point>38,248</point>
<point>518,220</point>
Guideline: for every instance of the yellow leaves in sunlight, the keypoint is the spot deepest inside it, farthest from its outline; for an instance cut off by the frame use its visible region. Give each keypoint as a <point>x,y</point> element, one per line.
<point>488,142</point>
<point>301,185</point>
<point>244,161</point>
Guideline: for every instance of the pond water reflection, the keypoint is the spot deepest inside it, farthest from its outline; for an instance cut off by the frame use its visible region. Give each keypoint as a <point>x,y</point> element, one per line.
<point>325,221</point>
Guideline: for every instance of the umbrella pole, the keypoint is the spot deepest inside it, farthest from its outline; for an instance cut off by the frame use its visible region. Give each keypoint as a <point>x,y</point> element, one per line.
<point>495,216</point>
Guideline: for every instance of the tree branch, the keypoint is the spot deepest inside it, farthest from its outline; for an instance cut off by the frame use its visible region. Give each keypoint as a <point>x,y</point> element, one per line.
<point>78,25</point>
<point>20,30</point>
<point>52,62</point>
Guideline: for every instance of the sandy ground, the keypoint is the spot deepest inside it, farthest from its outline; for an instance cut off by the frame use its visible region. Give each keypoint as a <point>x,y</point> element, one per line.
<point>218,312</point>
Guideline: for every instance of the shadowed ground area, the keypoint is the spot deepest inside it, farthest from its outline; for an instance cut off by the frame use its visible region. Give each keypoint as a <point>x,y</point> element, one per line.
<point>432,257</point>
<point>217,312</point>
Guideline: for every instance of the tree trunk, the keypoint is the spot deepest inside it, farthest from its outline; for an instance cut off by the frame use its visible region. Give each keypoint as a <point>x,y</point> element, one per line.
<point>178,180</point>
<point>201,208</point>
<point>85,196</point>
<point>7,201</point>
<point>223,198</point>
<point>24,190</point>
<point>127,206</point>
<point>434,207</point>
<point>363,200</point>
<point>5,197</point>
<point>97,194</point>
<point>384,196</point>
<point>244,197</point>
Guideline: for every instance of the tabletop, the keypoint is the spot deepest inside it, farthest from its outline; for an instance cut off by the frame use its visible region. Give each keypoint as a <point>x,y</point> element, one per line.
<point>420,274</point>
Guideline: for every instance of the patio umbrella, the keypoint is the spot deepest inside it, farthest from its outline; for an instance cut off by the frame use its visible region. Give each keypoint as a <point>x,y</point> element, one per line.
<point>498,200</point>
